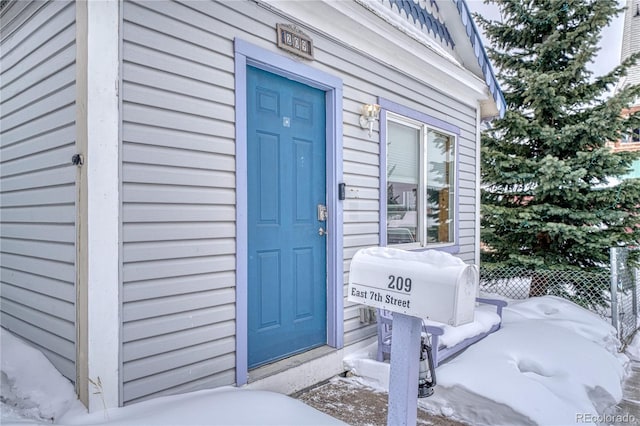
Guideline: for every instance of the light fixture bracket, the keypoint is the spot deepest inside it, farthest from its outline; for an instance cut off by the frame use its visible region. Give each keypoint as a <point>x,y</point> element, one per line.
<point>370,113</point>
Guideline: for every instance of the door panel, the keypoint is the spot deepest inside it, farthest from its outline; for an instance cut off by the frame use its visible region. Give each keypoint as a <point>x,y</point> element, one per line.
<point>286,178</point>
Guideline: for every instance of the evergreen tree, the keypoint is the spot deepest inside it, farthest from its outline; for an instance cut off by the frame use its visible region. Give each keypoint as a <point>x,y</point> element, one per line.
<point>549,200</point>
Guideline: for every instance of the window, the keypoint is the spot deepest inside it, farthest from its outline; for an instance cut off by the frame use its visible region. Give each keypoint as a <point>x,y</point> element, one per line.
<point>633,137</point>
<point>421,183</point>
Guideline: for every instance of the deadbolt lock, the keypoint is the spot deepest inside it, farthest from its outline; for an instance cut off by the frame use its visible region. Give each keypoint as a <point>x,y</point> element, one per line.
<point>322,213</point>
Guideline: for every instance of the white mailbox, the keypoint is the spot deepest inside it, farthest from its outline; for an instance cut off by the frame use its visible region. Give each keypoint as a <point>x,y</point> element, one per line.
<point>428,284</point>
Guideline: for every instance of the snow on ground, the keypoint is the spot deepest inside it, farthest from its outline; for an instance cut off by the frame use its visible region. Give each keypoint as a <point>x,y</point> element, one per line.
<point>28,378</point>
<point>550,362</point>
<point>633,350</point>
<point>34,392</point>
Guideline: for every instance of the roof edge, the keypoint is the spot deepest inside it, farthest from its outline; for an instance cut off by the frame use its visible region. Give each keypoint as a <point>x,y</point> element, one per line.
<point>481,55</point>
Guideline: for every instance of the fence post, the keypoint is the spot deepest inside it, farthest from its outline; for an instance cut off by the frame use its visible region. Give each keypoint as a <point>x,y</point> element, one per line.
<point>613,260</point>
<point>635,276</point>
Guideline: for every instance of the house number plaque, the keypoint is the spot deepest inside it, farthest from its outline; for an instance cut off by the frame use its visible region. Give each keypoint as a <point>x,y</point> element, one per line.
<point>295,41</point>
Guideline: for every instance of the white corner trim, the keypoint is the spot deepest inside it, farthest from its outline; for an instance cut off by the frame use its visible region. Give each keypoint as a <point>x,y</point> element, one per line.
<point>102,219</point>
<point>478,183</point>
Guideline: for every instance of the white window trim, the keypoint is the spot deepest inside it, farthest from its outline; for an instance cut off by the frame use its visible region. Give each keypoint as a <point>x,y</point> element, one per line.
<point>407,116</point>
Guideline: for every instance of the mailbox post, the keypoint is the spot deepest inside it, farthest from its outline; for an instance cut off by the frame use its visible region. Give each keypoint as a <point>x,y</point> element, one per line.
<point>403,374</point>
<point>414,286</point>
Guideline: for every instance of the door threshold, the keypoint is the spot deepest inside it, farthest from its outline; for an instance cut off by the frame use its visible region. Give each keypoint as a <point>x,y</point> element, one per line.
<point>285,364</point>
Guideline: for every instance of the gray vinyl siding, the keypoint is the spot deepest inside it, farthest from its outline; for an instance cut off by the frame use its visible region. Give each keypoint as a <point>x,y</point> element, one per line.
<point>178,187</point>
<point>37,180</point>
<point>178,203</point>
<point>361,160</point>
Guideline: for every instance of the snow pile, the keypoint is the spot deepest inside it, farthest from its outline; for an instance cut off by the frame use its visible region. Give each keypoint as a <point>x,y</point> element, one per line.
<point>634,348</point>
<point>485,317</point>
<point>550,362</point>
<point>221,406</point>
<point>34,392</point>
<point>42,394</point>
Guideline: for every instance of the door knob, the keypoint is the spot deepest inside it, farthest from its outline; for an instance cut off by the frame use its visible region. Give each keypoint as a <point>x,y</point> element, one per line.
<point>321,231</point>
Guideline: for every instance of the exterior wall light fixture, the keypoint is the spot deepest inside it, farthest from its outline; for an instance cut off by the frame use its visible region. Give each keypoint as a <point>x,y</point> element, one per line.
<point>370,113</point>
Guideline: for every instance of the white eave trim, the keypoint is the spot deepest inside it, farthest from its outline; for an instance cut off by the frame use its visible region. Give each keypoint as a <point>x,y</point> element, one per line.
<point>474,50</point>
<point>363,30</point>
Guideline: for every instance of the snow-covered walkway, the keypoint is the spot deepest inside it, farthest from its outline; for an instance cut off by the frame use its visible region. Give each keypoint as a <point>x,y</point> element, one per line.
<point>630,405</point>
<point>552,363</point>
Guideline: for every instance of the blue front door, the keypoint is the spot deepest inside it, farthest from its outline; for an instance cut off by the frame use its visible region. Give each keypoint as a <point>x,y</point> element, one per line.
<point>286,169</point>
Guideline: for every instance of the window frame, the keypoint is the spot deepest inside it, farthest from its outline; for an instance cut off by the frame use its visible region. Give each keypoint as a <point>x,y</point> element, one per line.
<point>405,115</point>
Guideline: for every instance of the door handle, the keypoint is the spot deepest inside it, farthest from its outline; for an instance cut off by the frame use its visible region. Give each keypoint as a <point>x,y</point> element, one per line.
<point>321,231</point>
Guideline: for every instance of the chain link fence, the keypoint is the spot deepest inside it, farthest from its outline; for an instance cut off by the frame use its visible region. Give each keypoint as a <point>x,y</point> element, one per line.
<point>611,293</point>
<point>625,286</point>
